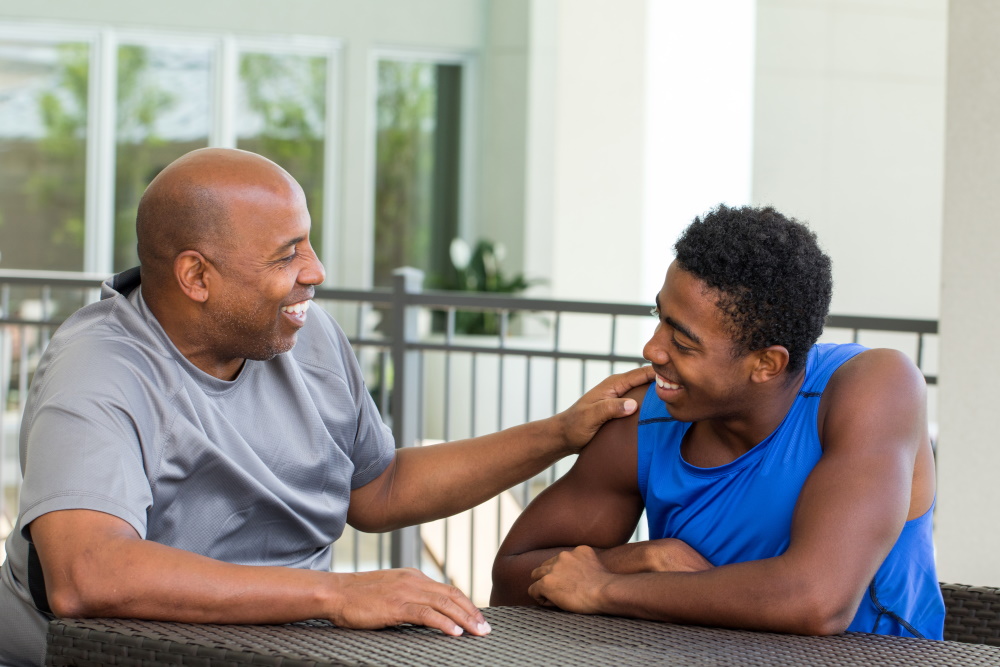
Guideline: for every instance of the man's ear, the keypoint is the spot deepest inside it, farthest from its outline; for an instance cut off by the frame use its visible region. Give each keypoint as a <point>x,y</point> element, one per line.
<point>190,268</point>
<point>770,363</point>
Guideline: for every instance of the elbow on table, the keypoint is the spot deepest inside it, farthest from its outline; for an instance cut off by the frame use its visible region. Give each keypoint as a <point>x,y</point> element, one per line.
<point>67,601</point>
<point>504,591</point>
<point>819,615</point>
<point>76,597</point>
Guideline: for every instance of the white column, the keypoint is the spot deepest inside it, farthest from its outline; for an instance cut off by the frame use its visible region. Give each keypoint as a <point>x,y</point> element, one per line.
<point>968,541</point>
<point>699,119</point>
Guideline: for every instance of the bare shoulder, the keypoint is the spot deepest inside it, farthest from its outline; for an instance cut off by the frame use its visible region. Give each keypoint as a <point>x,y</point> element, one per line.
<point>611,456</point>
<point>875,371</point>
<point>879,390</point>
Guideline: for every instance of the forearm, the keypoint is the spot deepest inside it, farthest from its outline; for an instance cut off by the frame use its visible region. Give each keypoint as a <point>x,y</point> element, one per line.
<point>512,576</point>
<point>512,572</point>
<point>427,483</point>
<point>135,578</point>
<point>96,565</point>
<point>757,595</point>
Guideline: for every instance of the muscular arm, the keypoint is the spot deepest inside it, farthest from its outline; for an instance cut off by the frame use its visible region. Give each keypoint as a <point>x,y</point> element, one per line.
<point>426,483</point>
<point>597,503</point>
<point>96,564</point>
<point>875,473</point>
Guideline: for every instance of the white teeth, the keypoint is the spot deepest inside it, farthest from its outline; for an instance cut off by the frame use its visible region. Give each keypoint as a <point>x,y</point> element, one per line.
<point>296,308</point>
<point>663,384</point>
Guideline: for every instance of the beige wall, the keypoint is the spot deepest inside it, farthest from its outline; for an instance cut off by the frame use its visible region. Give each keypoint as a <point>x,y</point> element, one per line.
<point>969,453</point>
<point>849,136</point>
<point>592,77</point>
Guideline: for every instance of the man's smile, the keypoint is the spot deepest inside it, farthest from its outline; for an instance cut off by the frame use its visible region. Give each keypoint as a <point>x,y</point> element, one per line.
<point>297,311</point>
<point>664,383</point>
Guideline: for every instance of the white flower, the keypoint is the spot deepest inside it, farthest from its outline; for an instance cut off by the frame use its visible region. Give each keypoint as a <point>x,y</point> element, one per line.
<point>461,253</point>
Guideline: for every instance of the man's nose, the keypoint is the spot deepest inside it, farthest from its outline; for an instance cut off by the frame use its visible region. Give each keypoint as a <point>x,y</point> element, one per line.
<point>654,352</point>
<point>314,273</point>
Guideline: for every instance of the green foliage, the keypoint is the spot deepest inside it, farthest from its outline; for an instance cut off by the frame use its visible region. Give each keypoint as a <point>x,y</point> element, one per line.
<point>478,270</point>
<point>56,191</point>
<point>404,165</point>
<point>288,93</point>
<point>138,156</point>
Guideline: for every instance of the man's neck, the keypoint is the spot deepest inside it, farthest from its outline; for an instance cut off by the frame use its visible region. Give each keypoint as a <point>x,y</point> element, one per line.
<point>718,441</point>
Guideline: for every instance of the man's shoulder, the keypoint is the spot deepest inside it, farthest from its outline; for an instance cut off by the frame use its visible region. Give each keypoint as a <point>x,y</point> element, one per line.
<point>103,343</point>
<point>876,386</point>
<point>877,366</point>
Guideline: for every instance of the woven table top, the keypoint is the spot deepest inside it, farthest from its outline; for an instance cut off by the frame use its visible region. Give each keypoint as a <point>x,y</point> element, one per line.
<point>521,636</point>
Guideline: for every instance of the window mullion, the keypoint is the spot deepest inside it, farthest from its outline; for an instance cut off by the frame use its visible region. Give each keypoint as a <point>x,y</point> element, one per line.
<point>331,157</point>
<point>100,178</point>
<point>226,89</point>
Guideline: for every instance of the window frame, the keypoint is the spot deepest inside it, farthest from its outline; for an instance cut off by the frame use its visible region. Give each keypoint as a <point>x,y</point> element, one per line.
<point>225,50</point>
<point>469,150</point>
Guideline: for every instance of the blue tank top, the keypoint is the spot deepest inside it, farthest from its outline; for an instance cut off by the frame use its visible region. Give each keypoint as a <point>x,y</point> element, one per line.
<point>719,511</point>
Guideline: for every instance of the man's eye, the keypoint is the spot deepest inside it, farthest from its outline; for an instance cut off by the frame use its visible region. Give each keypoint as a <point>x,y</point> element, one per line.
<point>655,312</point>
<point>680,348</point>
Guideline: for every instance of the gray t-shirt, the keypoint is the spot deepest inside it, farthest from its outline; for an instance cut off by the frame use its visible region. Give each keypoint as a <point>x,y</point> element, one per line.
<point>256,471</point>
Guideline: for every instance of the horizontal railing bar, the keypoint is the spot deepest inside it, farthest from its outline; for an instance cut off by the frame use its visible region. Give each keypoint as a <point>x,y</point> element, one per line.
<point>489,301</point>
<point>522,352</point>
<point>881,324</point>
<point>53,278</point>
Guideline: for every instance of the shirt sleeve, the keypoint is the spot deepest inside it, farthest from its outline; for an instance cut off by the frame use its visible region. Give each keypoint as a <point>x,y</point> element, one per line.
<point>374,445</point>
<point>79,448</point>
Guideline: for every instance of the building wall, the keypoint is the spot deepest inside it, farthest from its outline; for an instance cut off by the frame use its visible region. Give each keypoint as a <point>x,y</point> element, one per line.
<point>969,456</point>
<point>849,136</point>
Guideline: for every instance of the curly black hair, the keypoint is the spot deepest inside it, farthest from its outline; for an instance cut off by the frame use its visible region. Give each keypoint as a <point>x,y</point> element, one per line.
<point>773,280</point>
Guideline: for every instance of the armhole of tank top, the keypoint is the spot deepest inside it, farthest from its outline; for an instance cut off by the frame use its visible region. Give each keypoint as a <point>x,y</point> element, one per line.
<point>643,457</point>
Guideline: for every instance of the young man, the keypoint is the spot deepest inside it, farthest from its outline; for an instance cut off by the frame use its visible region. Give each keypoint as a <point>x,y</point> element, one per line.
<point>193,443</point>
<point>788,486</point>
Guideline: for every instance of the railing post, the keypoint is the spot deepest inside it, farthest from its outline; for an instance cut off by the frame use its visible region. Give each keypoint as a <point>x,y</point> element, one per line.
<point>405,543</point>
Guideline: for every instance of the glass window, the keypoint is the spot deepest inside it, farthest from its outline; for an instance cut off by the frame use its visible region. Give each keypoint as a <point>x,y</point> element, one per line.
<point>418,125</point>
<point>43,144</point>
<point>281,115</point>
<point>164,96</point>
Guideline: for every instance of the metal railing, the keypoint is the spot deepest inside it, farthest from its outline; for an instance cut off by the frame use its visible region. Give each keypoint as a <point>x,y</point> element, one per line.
<point>455,376</point>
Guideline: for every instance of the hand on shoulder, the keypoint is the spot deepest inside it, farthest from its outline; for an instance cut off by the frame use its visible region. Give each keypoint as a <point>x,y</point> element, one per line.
<point>616,396</point>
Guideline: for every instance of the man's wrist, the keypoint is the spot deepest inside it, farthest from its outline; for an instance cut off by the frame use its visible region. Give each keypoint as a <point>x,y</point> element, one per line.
<point>331,596</point>
<point>555,432</point>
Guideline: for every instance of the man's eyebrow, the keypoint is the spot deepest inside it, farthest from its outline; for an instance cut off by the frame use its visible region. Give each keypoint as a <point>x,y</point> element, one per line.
<point>674,324</point>
<point>683,329</point>
<point>288,245</point>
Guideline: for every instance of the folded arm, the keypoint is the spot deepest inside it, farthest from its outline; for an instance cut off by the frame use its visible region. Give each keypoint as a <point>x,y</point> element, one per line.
<point>597,503</point>
<point>875,473</point>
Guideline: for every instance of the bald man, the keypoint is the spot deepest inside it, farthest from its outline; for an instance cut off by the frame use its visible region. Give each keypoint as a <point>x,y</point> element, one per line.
<point>194,442</point>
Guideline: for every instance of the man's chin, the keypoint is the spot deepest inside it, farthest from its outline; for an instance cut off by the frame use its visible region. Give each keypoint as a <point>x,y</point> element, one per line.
<point>280,347</point>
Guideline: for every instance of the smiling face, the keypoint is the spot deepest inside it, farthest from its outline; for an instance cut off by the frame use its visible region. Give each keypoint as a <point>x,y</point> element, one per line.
<point>264,273</point>
<point>691,351</point>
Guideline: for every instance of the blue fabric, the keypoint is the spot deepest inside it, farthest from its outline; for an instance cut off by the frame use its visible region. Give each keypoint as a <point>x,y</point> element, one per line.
<point>742,510</point>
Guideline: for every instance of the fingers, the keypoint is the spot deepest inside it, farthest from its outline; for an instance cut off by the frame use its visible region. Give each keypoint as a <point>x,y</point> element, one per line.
<point>448,615</point>
<point>622,383</point>
<point>448,609</point>
<point>384,598</point>
<point>535,591</point>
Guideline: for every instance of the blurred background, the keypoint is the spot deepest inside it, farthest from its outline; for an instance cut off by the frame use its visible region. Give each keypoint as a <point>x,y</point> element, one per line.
<point>575,137</point>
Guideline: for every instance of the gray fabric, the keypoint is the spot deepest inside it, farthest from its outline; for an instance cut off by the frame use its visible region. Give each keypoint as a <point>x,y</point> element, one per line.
<point>257,471</point>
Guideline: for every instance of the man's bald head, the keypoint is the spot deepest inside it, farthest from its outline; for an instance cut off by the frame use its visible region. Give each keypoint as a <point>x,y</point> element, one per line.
<point>188,206</point>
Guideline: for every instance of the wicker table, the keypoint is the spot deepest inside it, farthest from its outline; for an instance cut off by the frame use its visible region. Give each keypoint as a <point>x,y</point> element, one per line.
<point>521,636</point>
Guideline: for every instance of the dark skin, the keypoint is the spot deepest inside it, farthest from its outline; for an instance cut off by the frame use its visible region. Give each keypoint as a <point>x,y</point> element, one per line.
<point>241,292</point>
<point>877,467</point>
